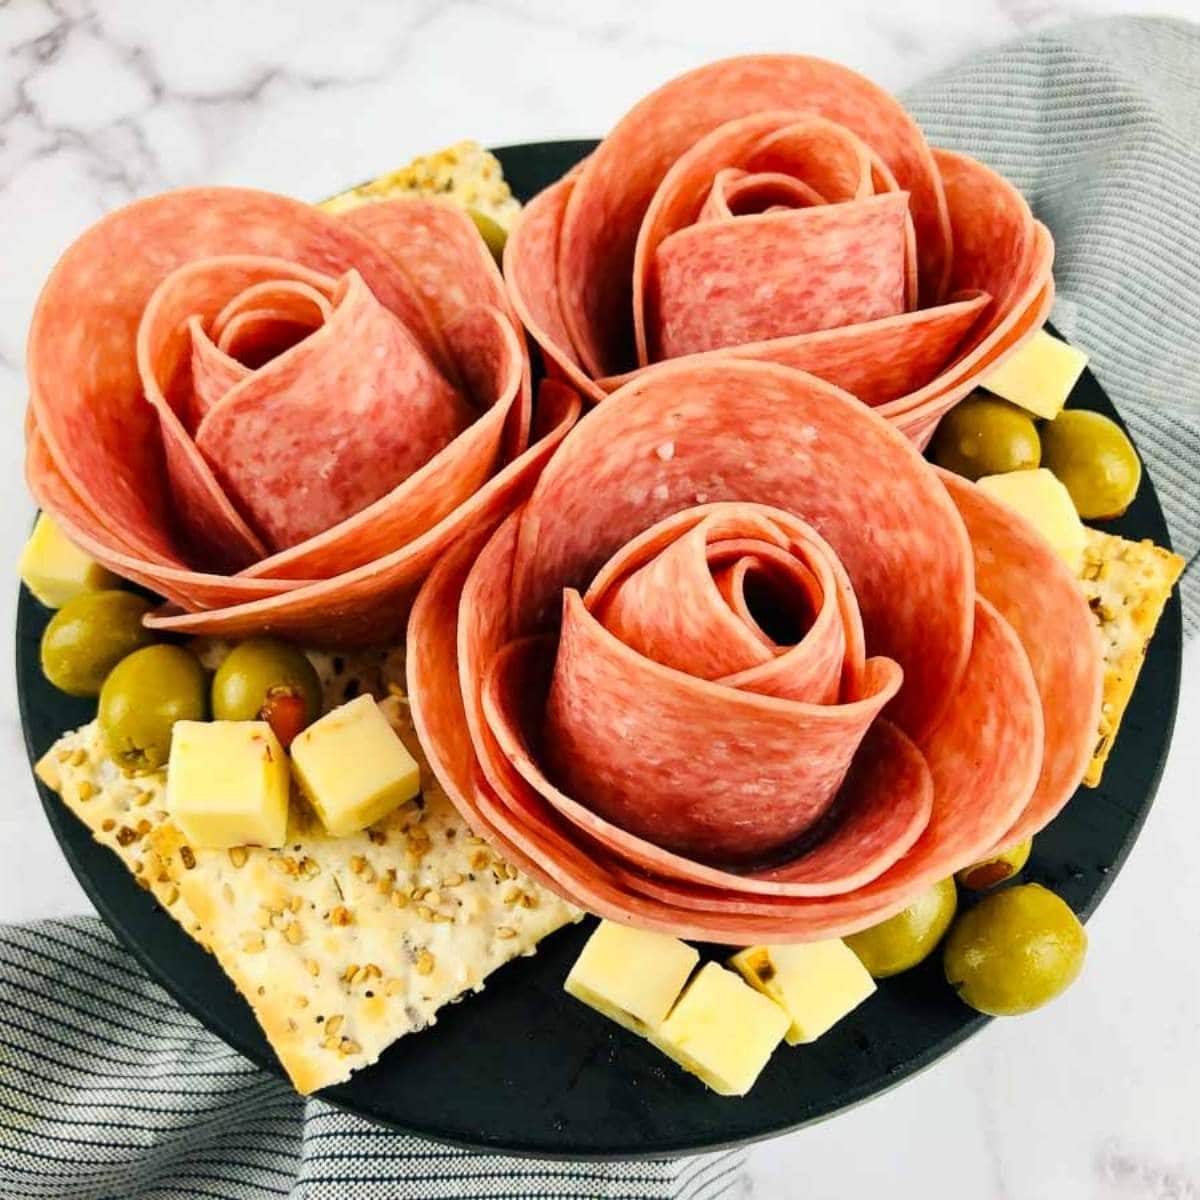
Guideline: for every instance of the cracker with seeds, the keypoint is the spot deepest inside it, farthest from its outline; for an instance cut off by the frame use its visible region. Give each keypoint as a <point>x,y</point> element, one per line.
<point>465,174</point>
<point>340,945</point>
<point>1127,585</point>
<point>343,945</point>
<point>120,810</point>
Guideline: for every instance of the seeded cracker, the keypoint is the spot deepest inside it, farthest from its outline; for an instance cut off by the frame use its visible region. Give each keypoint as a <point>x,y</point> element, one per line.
<point>465,174</point>
<point>340,945</point>
<point>120,811</point>
<point>1127,585</point>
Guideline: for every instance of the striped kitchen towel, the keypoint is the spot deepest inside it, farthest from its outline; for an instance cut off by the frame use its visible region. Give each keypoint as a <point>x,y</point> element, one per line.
<point>109,1091</point>
<point>1098,124</point>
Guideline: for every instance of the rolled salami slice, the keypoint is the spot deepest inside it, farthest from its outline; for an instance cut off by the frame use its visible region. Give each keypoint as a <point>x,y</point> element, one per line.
<point>659,683</point>
<point>326,395</point>
<point>785,210</point>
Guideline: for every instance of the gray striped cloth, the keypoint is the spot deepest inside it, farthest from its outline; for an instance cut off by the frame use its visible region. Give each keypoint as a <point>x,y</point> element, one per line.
<point>109,1092</point>
<point>1099,125</point>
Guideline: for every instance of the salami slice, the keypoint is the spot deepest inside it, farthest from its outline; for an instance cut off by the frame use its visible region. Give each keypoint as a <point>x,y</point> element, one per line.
<point>1033,590</point>
<point>817,267</point>
<point>836,260</point>
<point>1001,250</point>
<point>681,595</point>
<point>737,193</point>
<point>780,762</point>
<point>877,361</point>
<point>531,273</point>
<point>185,588</point>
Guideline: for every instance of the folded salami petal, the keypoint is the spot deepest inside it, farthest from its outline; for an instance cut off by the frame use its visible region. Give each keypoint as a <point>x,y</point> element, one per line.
<point>976,791</point>
<point>779,763</point>
<point>489,357</point>
<point>260,322</point>
<point>682,435</point>
<point>738,193</point>
<point>531,275</point>
<point>813,268</point>
<point>1033,590</point>
<point>605,209</point>
<point>880,810</point>
<point>331,425</point>
<point>437,246</point>
<point>826,159</point>
<point>1001,250</point>
<point>186,588</point>
<point>877,361</point>
<point>826,156</point>
<point>678,594</point>
<point>369,603</point>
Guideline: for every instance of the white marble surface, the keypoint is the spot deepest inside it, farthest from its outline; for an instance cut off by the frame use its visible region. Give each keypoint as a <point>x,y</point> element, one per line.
<point>1096,1097</point>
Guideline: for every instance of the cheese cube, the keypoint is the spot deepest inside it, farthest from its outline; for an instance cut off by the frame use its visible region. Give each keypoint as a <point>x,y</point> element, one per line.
<point>353,767</point>
<point>228,784</point>
<point>816,983</point>
<point>1039,377</point>
<point>722,1031</point>
<point>632,976</point>
<point>1045,503</point>
<point>55,570</point>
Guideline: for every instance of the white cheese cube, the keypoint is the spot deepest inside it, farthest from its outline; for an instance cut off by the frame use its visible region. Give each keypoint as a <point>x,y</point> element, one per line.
<point>55,570</point>
<point>816,983</point>
<point>1044,502</point>
<point>228,784</point>
<point>722,1031</point>
<point>1039,377</point>
<point>632,976</point>
<point>353,767</point>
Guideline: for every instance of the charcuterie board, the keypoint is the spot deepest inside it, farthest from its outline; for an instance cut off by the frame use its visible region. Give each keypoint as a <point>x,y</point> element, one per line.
<point>526,1069</point>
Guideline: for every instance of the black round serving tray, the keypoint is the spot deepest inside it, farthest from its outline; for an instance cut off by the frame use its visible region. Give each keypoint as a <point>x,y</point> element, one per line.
<point>525,1069</point>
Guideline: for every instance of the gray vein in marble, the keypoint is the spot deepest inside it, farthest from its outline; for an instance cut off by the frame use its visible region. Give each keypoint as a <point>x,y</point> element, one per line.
<point>1140,1178</point>
<point>119,153</point>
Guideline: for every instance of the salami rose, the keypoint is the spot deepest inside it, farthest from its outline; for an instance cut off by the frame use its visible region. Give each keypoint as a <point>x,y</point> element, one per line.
<point>783,209</point>
<point>276,418</point>
<point>744,666</point>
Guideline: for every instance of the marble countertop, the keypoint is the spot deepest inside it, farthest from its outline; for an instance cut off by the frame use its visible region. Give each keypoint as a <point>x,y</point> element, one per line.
<point>1095,1097</point>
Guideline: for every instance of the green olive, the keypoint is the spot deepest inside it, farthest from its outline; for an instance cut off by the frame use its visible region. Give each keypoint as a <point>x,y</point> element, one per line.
<point>1015,951</point>
<point>142,699</point>
<point>1095,461</point>
<point>259,666</point>
<point>491,231</point>
<point>910,936</point>
<point>984,436</point>
<point>87,637</point>
<point>996,868</point>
